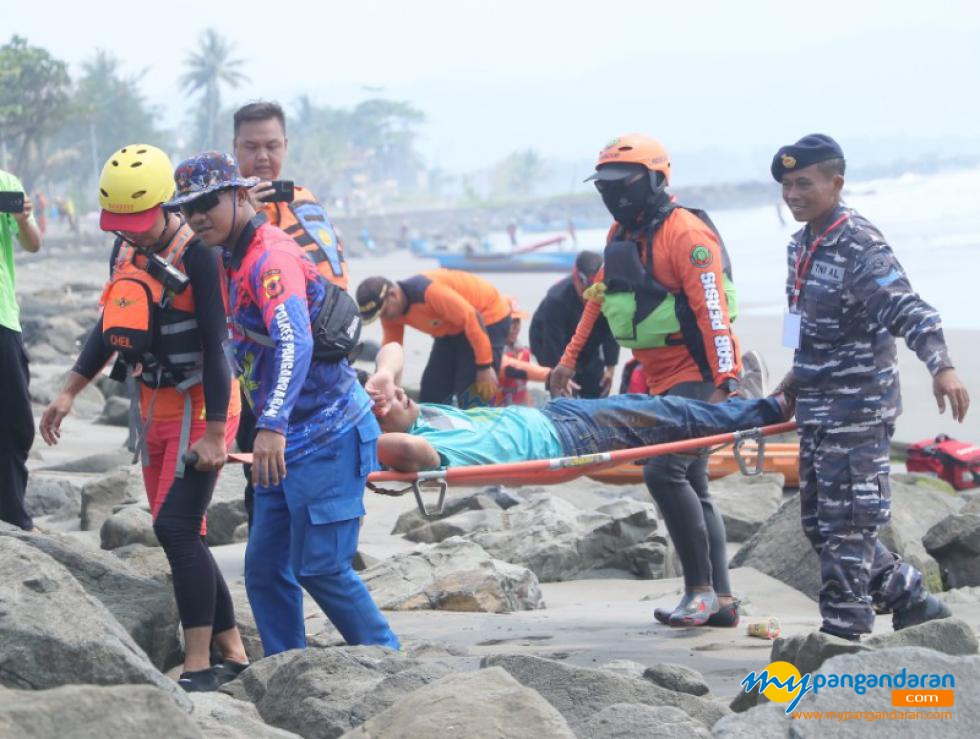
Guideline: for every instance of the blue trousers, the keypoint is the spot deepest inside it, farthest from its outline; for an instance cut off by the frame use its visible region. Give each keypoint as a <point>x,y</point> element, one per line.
<point>304,535</point>
<point>627,421</point>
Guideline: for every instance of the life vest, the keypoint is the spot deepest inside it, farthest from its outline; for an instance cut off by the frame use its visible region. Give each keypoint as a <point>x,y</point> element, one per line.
<point>149,320</point>
<point>138,310</point>
<point>307,224</point>
<point>642,313</point>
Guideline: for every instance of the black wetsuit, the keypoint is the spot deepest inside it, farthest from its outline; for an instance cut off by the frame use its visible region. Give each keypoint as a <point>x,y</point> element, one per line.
<point>201,592</point>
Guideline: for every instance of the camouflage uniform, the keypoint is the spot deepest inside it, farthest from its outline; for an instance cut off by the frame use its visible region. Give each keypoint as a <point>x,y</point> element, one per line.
<point>854,298</point>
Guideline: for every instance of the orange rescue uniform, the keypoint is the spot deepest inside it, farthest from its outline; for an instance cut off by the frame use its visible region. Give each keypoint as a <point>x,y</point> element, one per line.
<point>680,270</point>
<point>445,302</point>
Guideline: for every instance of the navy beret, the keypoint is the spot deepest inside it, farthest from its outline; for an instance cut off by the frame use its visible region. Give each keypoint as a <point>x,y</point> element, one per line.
<point>817,147</point>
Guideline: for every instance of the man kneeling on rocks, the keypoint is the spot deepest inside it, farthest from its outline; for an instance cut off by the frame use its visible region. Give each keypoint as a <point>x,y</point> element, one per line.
<point>428,436</point>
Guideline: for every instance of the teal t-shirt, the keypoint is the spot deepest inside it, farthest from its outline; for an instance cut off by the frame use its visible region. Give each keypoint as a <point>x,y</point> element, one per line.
<point>9,312</point>
<point>487,435</point>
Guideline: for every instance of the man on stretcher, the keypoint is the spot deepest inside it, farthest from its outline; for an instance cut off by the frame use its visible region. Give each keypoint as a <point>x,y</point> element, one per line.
<point>428,436</point>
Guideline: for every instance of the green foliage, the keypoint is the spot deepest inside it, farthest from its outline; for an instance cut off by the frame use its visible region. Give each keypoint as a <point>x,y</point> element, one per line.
<point>519,174</point>
<point>207,70</point>
<point>108,110</point>
<point>375,141</point>
<point>34,99</point>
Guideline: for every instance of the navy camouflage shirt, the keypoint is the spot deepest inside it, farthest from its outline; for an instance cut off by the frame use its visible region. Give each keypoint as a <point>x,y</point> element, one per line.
<point>854,299</point>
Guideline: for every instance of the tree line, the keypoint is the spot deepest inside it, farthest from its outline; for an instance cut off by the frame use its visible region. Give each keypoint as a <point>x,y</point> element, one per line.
<point>57,129</point>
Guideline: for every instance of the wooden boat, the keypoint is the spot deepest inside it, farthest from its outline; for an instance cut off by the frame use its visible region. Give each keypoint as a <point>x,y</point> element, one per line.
<point>780,457</point>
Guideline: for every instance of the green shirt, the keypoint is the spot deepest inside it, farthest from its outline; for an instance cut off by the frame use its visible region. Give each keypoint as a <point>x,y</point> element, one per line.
<point>513,433</point>
<point>9,312</point>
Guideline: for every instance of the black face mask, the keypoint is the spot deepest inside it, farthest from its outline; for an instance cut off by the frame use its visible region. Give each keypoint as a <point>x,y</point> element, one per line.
<point>631,203</point>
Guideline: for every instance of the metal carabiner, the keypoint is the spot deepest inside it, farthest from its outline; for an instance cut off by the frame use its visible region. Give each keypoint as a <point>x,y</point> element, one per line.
<point>417,490</point>
<point>760,451</point>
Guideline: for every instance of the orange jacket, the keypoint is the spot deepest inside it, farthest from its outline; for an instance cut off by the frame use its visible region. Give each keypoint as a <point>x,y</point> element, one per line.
<point>280,214</point>
<point>445,302</point>
<point>675,267</point>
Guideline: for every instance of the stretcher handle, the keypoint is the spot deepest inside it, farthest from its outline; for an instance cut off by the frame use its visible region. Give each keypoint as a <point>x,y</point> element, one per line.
<point>416,487</point>
<point>760,454</point>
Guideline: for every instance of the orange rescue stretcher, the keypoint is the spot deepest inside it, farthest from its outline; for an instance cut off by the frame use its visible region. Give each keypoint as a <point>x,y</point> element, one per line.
<point>783,458</point>
<point>561,469</point>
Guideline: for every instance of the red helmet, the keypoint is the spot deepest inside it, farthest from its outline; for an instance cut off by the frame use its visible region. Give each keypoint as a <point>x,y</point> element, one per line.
<point>632,148</point>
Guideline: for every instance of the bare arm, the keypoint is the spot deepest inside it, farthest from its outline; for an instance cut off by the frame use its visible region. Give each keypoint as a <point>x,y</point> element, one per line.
<point>407,453</point>
<point>391,359</point>
<point>28,233</point>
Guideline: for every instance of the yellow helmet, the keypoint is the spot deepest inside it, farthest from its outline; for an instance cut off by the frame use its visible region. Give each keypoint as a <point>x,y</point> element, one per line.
<point>134,182</point>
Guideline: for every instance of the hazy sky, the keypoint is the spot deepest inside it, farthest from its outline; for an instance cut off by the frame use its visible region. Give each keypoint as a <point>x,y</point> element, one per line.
<point>721,83</point>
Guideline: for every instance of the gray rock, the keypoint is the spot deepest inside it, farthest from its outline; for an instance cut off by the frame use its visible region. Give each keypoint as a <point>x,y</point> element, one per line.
<point>948,635</point>
<point>632,721</point>
<point>53,495</point>
<point>809,651</point>
<point>94,712</point>
<point>88,403</point>
<point>110,388</point>
<point>625,667</point>
<point>579,692</point>
<point>241,534</point>
<point>219,716</point>
<point>478,499</point>
<point>967,595</point>
<point>455,575</point>
<point>955,543</point>
<point>53,633</point>
<point>115,412</point>
<point>780,549</point>
<point>485,704</point>
<point>746,503</point>
<point>226,511</point>
<point>362,561</point>
<point>145,607</point>
<point>558,541</point>
<point>150,562</point>
<point>770,720</point>
<point>132,524</point>
<point>325,692</point>
<point>95,463</point>
<point>104,496</point>
<point>918,503</point>
<point>677,677</point>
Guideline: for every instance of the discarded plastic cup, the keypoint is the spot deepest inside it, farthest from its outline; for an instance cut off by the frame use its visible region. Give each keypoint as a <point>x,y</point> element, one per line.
<point>768,629</point>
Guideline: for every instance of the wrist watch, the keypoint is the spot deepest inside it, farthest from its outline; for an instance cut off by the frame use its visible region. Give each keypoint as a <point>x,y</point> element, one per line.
<point>729,386</point>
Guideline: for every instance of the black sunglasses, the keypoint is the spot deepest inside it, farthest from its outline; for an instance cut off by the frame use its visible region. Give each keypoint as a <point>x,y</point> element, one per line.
<point>202,204</point>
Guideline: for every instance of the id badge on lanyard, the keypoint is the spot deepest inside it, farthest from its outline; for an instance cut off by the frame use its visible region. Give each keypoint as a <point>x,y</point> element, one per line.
<point>793,319</point>
<point>792,327</point>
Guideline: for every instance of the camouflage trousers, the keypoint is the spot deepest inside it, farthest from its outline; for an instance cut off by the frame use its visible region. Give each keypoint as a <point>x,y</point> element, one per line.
<point>844,499</point>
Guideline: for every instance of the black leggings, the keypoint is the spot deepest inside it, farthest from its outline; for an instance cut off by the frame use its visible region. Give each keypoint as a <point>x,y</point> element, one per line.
<point>679,485</point>
<point>449,374</point>
<point>202,594</point>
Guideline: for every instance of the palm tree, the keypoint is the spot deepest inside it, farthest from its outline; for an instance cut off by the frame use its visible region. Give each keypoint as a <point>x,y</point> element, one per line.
<point>207,69</point>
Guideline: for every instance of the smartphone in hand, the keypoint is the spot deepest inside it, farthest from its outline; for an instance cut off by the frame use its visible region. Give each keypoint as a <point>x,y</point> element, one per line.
<point>282,192</point>
<point>12,201</point>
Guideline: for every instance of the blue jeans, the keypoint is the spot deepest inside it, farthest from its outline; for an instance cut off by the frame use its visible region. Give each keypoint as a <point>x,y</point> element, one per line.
<point>304,533</point>
<point>628,421</point>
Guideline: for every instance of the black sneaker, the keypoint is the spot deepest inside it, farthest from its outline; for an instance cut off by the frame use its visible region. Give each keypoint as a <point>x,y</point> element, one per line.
<point>228,670</point>
<point>726,617</point>
<point>927,609</point>
<point>695,608</point>
<point>201,681</point>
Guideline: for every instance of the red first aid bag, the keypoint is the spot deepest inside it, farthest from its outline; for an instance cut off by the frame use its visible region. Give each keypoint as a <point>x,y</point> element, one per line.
<point>956,462</point>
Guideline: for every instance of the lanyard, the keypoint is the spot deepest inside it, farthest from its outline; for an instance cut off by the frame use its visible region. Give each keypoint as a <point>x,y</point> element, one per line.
<point>803,263</point>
